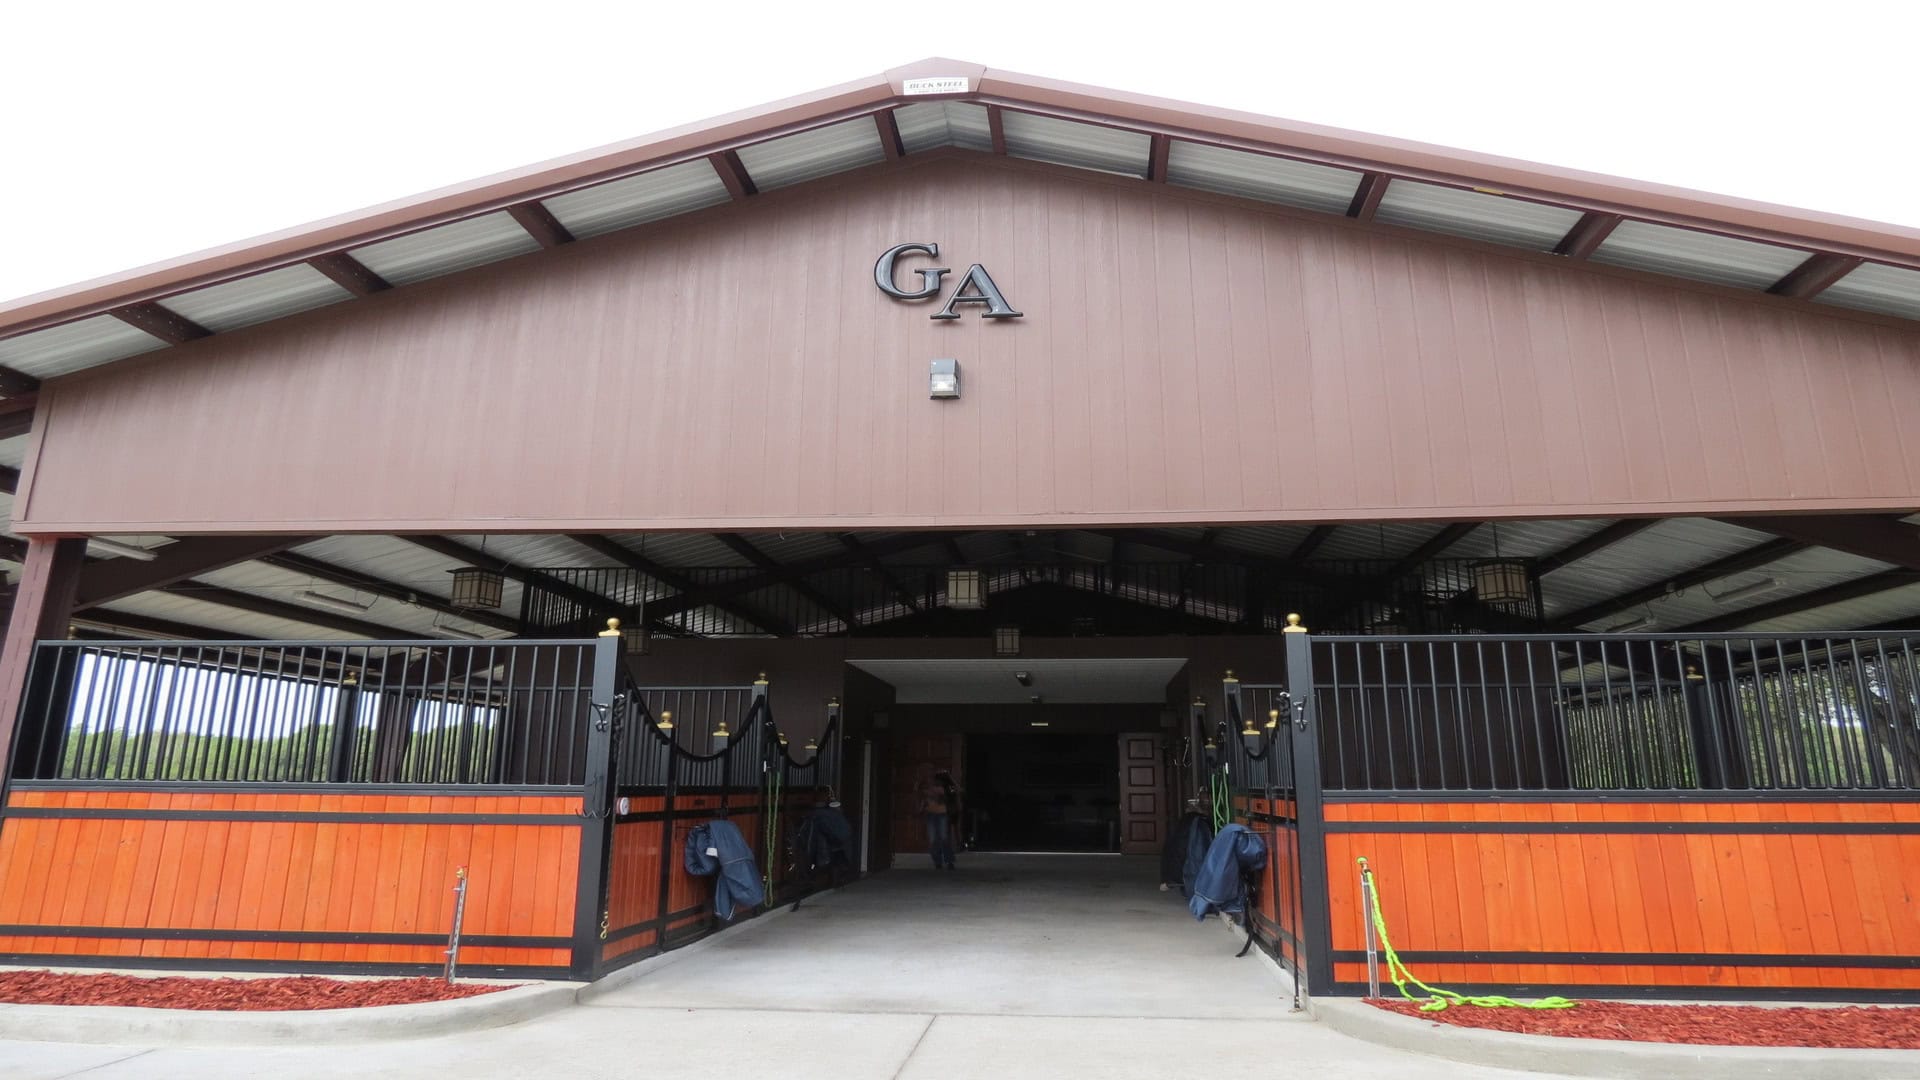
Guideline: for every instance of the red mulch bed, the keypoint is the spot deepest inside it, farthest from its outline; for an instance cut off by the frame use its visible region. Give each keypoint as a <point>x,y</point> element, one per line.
<point>230,995</point>
<point>1710,1025</point>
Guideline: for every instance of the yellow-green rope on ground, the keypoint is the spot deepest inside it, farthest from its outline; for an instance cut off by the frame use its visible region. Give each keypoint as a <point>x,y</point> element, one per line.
<point>1439,999</point>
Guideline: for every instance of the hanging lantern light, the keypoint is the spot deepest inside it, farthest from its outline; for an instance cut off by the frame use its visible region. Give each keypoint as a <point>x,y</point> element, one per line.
<point>665,722</point>
<point>476,589</point>
<point>1501,581</point>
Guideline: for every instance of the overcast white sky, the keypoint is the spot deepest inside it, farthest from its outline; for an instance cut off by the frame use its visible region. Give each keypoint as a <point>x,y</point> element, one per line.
<point>135,132</point>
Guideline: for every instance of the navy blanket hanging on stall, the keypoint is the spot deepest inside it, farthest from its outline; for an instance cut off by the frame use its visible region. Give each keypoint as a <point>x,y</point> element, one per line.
<point>716,848</point>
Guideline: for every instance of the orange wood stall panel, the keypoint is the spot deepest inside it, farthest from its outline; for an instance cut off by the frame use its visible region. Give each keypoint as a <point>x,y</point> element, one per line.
<point>1741,895</point>
<point>287,878</point>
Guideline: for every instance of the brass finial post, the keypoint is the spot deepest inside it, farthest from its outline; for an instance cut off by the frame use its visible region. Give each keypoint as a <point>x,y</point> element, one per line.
<point>1294,626</point>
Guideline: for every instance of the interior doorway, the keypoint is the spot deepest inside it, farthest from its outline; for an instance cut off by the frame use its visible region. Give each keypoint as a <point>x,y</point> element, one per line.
<point>1040,791</point>
<point>1051,755</point>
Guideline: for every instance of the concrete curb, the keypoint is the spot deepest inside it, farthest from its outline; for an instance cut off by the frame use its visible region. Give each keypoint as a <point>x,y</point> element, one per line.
<point>1610,1058</point>
<point>127,1026</point>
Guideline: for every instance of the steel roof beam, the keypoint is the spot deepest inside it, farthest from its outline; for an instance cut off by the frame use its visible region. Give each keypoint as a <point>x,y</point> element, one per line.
<point>1439,542</point>
<point>1839,593</point>
<point>1159,150</point>
<point>1751,559</point>
<point>740,546</point>
<point>997,129</point>
<point>106,619</point>
<point>1366,198</point>
<point>168,326</point>
<point>16,414</point>
<point>700,594</point>
<point>1605,538</point>
<point>295,563</point>
<point>892,545</point>
<point>891,143</point>
<point>733,174</point>
<point>866,555</point>
<point>1814,276</point>
<point>1882,538</point>
<point>113,579</point>
<point>540,224</point>
<point>1310,543</point>
<point>349,273</point>
<point>1587,234</point>
<point>278,609</point>
<point>458,552</point>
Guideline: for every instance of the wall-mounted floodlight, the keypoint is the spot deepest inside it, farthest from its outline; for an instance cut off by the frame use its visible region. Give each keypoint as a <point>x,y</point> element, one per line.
<point>943,379</point>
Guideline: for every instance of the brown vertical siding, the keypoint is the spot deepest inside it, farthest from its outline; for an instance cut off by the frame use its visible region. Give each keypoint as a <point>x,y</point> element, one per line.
<point>225,883</point>
<point>1182,358</point>
<point>1668,903</point>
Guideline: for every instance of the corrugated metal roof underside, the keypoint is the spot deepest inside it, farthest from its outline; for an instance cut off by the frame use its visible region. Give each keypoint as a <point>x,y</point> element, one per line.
<point>1475,215</point>
<point>1525,539</point>
<point>399,562</point>
<point>1900,607</point>
<point>459,245</point>
<point>1268,541</point>
<point>1648,557</point>
<point>1387,540</point>
<point>1796,574</point>
<point>1889,290</point>
<point>808,155</point>
<point>1687,253</point>
<point>1261,176</point>
<point>273,583</point>
<point>1069,142</point>
<point>928,125</point>
<point>650,196</point>
<point>677,549</point>
<point>75,346</point>
<point>257,299</point>
<point>228,621</point>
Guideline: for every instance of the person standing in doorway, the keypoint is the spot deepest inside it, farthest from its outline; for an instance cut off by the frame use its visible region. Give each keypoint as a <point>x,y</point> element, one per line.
<point>934,805</point>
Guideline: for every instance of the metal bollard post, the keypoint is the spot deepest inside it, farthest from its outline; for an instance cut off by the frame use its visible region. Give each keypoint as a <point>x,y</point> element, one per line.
<point>459,914</point>
<point>1372,932</point>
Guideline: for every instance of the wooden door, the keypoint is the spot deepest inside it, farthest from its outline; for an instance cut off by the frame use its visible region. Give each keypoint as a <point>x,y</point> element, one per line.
<point>1143,794</point>
<point>911,755</point>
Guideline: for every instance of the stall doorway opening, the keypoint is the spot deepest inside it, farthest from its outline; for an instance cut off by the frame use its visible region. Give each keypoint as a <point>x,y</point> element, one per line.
<point>1039,791</point>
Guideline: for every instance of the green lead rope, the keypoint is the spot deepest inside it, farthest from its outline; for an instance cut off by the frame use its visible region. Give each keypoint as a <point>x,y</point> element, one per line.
<point>1222,800</point>
<point>775,780</point>
<point>1438,999</point>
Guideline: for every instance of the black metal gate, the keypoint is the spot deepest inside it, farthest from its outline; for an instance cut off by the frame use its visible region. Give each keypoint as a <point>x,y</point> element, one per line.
<point>1266,772</point>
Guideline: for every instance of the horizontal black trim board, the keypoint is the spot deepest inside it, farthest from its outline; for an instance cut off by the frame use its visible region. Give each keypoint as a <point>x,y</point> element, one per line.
<point>622,933</point>
<point>282,967</point>
<point>308,816</point>
<point>279,937</point>
<point>1622,959</point>
<point>645,815</point>
<point>1745,795</point>
<point>1656,993</point>
<point>1638,828</point>
<point>268,787</point>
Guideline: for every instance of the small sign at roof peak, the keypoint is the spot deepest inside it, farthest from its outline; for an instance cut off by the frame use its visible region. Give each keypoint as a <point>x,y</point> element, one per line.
<point>936,84</point>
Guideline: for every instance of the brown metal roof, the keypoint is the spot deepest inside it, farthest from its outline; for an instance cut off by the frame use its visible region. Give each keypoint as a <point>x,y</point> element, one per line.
<point>1835,244</point>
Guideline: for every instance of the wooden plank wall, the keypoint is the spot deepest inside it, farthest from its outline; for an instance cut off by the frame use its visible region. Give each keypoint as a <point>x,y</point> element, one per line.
<point>286,880</point>
<point>1277,916</point>
<point>1774,897</point>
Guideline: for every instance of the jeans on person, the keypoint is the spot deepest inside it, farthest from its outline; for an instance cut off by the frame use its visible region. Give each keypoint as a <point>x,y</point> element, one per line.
<point>939,840</point>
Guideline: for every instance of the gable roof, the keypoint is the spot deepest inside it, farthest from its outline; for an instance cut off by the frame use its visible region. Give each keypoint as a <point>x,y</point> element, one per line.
<point>1759,248</point>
